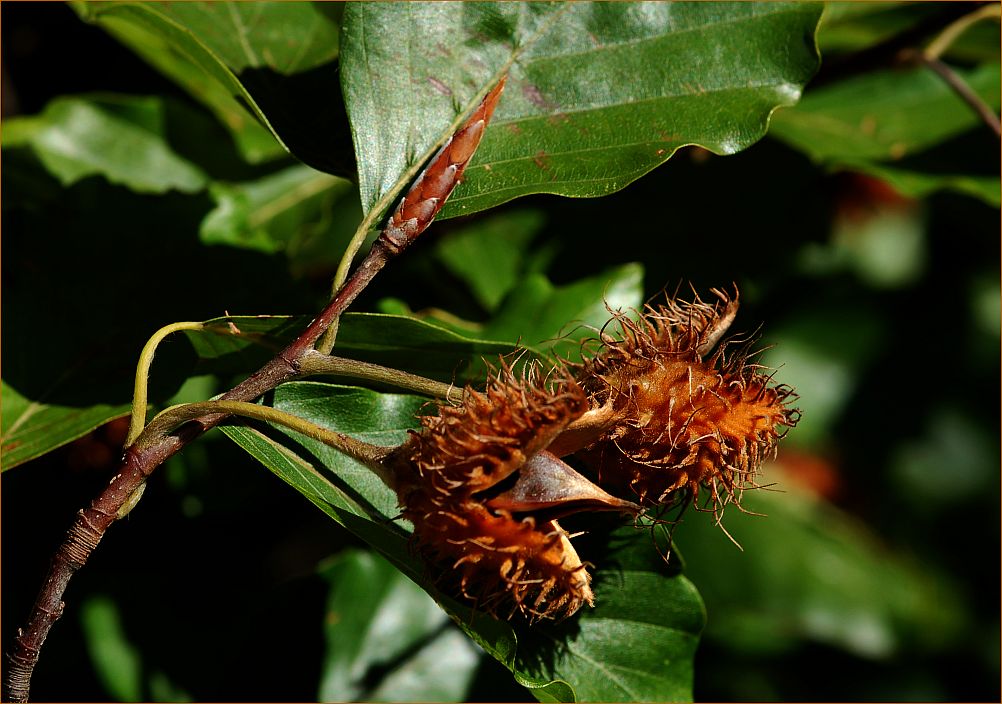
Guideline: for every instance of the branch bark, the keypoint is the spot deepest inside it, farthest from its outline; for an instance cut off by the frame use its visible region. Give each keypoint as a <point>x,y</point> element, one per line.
<point>414,214</point>
<point>964,91</point>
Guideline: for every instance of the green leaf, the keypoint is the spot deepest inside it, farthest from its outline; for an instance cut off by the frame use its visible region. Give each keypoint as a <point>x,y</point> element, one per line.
<point>672,75</point>
<point>400,342</point>
<point>29,428</point>
<point>416,346</point>
<point>116,660</point>
<point>34,423</point>
<point>341,487</point>
<point>639,641</point>
<point>90,272</point>
<point>809,571</point>
<point>823,353</point>
<point>273,213</point>
<point>254,141</point>
<point>636,592</point>
<point>287,37</point>
<point>277,59</point>
<point>120,138</point>
<point>380,624</point>
<point>548,317</point>
<point>868,124</point>
<point>489,254</point>
<point>852,26</point>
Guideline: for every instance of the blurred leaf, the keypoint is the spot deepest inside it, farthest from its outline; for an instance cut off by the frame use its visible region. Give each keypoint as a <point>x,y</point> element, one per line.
<point>822,353</point>
<point>115,659</point>
<point>90,272</point>
<point>887,249</point>
<point>665,69</point>
<point>276,59</point>
<point>544,316</point>
<point>387,640</point>
<point>636,593</point>
<point>852,26</point>
<point>884,244</point>
<point>273,213</point>
<point>868,124</point>
<point>872,117</point>
<point>441,671</point>
<point>954,461</point>
<point>808,571</point>
<point>986,307</point>
<point>488,254</point>
<point>120,138</point>
<point>920,184</point>
<point>32,428</point>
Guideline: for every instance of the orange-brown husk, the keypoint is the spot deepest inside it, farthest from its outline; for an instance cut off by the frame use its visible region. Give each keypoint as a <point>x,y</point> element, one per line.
<point>467,448</point>
<point>686,420</point>
<point>502,563</point>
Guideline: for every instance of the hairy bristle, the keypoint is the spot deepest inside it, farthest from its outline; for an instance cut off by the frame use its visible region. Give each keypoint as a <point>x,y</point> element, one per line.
<point>502,563</point>
<point>468,448</point>
<point>688,420</point>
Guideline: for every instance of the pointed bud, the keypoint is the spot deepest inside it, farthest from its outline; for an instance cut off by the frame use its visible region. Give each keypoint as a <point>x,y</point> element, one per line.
<point>435,184</point>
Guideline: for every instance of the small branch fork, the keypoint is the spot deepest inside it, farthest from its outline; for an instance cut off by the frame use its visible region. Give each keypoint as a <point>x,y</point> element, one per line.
<point>160,441</point>
<point>930,58</point>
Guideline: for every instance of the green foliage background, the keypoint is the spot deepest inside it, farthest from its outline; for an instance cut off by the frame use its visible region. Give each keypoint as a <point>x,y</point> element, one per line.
<point>131,201</point>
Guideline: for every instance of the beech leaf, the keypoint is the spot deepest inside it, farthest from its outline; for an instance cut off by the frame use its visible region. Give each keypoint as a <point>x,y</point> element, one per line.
<point>642,632</point>
<point>598,93</point>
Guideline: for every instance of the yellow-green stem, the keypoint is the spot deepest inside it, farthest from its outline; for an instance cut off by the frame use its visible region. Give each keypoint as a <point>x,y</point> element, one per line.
<point>945,39</point>
<point>314,362</point>
<point>139,394</point>
<point>370,455</point>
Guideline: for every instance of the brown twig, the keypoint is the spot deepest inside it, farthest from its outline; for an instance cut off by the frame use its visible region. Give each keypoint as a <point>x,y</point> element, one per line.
<point>414,214</point>
<point>960,87</point>
<point>885,53</point>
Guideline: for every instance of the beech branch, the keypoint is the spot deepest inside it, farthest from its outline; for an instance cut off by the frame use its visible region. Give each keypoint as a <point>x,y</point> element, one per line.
<point>151,449</point>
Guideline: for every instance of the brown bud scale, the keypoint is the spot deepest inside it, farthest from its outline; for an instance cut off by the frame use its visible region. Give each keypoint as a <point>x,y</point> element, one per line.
<point>429,192</point>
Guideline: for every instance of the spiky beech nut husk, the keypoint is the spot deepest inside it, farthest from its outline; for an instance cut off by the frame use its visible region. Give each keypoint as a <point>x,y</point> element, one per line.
<point>685,417</point>
<point>500,562</point>
<point>448,473</point>
<point>467,448</point>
